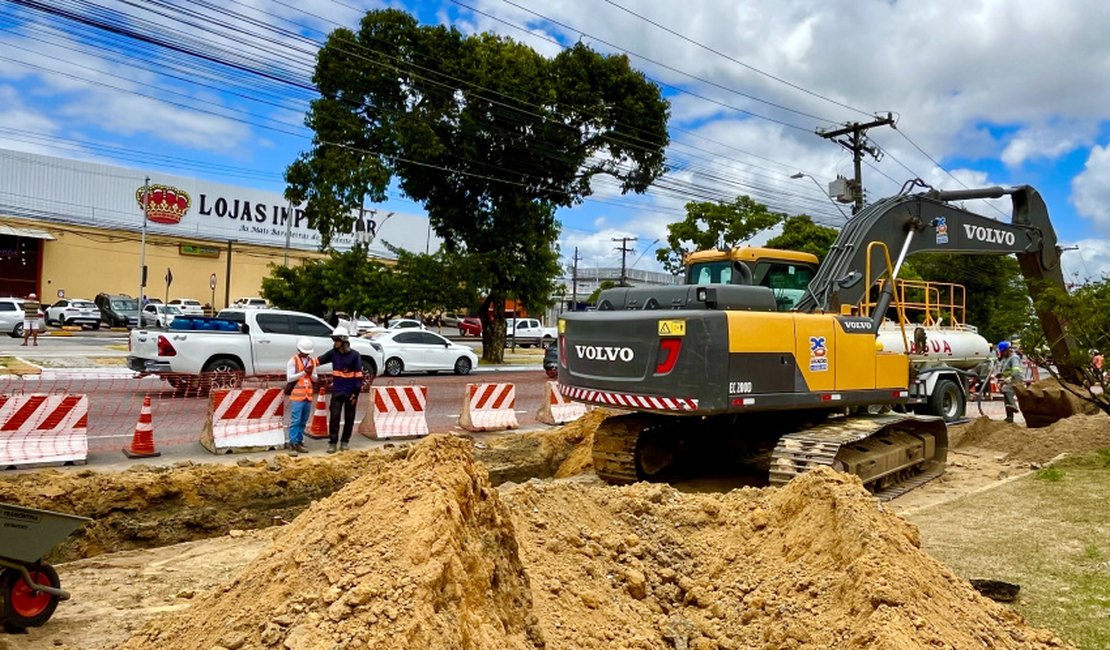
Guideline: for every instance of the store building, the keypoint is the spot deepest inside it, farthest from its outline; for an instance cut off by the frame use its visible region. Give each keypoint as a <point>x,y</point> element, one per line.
<point>75,229</point>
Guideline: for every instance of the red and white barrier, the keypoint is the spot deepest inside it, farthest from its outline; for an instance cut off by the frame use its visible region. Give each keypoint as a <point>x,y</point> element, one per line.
<point>489,407</point>
<point>396,412</point>
<point>39,428</point>
<point>245,419</point>
<point>557,409</point>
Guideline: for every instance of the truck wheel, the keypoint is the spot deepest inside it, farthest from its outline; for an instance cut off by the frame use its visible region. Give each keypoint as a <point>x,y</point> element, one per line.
<point>22,607</point>
<point>947,401</point>
<point>224,373</point>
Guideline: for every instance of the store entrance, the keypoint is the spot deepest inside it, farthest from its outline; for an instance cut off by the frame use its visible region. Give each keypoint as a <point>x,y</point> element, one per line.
<point>19,265</point>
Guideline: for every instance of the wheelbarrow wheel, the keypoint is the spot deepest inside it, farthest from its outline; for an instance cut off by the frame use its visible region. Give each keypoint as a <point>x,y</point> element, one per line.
<point>22,607</point>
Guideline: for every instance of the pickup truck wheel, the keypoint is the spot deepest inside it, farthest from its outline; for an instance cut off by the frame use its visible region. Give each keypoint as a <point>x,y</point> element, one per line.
<point>462,366</point>
<point>547,342</point>
<point>394,366</point>
<point>224,373</point>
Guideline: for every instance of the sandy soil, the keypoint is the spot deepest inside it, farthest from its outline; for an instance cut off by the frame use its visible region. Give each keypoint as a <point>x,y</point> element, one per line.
<point>440,558</point>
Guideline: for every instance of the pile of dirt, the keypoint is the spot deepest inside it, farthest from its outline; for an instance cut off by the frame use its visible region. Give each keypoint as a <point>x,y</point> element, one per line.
<point>424,553</point>
<point>1047,401</point>
<point>1075,435</point>
<point>151,506</point>
<point>421,554</point>
<point>550,453</point>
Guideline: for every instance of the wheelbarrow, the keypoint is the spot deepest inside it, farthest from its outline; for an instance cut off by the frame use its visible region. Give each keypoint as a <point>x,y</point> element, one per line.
<point>29,588</point>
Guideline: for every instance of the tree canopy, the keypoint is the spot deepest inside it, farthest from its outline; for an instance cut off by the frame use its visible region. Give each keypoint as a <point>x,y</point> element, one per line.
<point>799,233</point>
<point>708,225</point>
<point>487,134</point>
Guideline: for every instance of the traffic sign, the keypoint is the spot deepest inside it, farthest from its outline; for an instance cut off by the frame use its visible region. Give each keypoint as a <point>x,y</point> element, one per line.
<point>212,282</point>
<point>169,277</point>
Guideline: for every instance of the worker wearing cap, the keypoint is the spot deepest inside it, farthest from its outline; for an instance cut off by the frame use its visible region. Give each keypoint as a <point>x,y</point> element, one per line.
<point>346,372</point>
<point>31,309</point>
<point>1010,372</point>
<point>300,372</point>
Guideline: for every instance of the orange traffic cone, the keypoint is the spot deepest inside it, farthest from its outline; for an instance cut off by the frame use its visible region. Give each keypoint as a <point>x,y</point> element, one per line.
<point>142,444</point>
<point>318,426</point>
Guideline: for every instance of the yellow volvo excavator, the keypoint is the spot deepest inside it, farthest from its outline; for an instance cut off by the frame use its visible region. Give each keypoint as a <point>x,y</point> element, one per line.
<point>769,348</point>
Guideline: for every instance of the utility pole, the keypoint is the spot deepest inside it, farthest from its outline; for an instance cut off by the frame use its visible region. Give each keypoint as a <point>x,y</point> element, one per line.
<point>574,281</point>
<point>142,250</point>
<point>856,142</point>
<point>625,250</point>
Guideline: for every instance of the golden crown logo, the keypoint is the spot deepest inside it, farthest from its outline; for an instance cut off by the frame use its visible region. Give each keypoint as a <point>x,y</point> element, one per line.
<point>167,204</point>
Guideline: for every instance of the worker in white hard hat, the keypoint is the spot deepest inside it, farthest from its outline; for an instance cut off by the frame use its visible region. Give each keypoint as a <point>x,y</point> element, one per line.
<point>31,307</point>
<point>300,373</point>
<point>346,372</point>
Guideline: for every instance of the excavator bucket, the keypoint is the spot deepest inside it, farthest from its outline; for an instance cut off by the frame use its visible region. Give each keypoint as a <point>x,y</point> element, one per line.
<point>1046,402</point>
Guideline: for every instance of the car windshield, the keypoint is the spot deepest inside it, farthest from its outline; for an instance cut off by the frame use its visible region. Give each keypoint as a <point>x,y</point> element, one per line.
<point>168,309</point>
<point>124,305</point>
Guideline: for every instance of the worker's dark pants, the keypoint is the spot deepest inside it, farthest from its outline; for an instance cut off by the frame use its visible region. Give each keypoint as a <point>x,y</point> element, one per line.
<point>344,404</point>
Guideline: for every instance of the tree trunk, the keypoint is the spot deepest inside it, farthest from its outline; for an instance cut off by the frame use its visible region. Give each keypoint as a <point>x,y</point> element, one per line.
<point>492,315</point>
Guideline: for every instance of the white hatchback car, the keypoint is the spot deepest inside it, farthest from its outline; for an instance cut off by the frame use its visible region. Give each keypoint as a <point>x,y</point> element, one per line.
<point>159,315</point>
<point>188,306</point>
<point>415,350</point>
<point>11,317</point>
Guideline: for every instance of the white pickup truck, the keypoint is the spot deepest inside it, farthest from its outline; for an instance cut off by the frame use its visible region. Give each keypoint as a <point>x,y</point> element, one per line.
<point>248,342</point>
<point>529,331</point>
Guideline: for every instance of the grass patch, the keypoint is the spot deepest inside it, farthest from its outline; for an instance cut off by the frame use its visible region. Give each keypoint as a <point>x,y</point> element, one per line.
<point>1050,535</point>
<point>13,366</point>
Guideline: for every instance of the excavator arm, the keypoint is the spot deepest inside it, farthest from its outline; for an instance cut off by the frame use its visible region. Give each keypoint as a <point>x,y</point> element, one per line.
<point>928,222</point>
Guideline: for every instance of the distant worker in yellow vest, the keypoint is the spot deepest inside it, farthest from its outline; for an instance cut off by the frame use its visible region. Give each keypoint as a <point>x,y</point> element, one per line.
<point>301,374</point>
<point>1010,372</point>
<point>31,308</point>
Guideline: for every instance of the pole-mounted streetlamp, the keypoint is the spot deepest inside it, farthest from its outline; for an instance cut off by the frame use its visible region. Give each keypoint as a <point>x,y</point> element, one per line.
<point>823,191</point>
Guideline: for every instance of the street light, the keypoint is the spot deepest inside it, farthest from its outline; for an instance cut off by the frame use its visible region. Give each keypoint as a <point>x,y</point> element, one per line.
<point>823,191</point>
<point>646,249</point>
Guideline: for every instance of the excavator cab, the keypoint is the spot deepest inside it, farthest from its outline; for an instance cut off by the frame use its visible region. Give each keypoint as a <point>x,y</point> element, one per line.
<point>786,273</point>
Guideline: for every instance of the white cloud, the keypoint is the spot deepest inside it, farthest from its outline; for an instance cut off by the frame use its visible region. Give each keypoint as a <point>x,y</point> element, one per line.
<point>1091,260</point>
<point>1091,188</point>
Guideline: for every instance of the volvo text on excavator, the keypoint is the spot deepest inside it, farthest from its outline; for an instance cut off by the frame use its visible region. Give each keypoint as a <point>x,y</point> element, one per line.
<point>769,353</point>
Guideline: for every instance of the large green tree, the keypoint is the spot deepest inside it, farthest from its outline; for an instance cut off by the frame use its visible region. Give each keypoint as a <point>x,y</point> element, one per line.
<point>709,225</point>
<point>799,233</point>
<point>997,299</point>
<point>490,136</point>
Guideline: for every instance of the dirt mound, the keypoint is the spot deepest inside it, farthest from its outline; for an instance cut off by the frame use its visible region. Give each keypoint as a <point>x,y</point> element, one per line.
<point>425,554</point>
<point>550,453</point>
<point>1074,435</point>
<point>817,564</point>
<point>419,555</point>
<point>1046,402</point>
<point>149,506</point>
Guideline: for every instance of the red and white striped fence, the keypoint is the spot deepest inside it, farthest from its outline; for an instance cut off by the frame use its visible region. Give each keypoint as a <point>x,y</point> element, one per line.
<point>489,407</point>
<point>396,412</point>
<point>244,419</point>
<point>43,428</point>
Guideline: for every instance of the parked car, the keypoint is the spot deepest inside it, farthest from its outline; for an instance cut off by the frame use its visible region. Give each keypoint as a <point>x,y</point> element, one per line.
<point>154,301</point>
<point>551,361</point>
<point>118,310</point>
<point>251,303</point>
<point>470,326</point>
<point>399,324</point>
<point>159,315</point>
<point>414,350</point>
<point>73,311</point>
<point>188,306</point>
<point>11,317</point>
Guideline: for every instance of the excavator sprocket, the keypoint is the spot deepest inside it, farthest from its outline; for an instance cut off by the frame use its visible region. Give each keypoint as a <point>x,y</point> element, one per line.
<point>615,447</point>
<point>891,454</point>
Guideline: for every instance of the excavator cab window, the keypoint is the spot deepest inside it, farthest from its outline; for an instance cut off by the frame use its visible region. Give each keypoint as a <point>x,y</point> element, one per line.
<point>786,279</point>
<point>711,273</point>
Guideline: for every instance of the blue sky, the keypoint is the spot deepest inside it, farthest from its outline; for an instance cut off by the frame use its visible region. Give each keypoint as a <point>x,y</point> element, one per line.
<point>984,93</point>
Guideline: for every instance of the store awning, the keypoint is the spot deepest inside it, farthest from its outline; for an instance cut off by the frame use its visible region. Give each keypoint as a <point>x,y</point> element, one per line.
<point>29,233</point>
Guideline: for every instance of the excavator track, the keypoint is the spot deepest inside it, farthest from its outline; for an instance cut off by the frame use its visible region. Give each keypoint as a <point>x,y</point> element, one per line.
<point>892,454</point>
<point>614,450</point>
